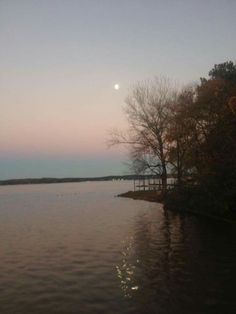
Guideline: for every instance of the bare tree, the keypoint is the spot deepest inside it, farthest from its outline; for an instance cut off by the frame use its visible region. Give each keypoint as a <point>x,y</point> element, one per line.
<point>148,111</point>
<point>180,134</point>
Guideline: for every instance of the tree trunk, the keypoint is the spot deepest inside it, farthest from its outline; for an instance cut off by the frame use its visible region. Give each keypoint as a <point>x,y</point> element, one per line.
<point>164,177</point>
<point>179,166</point>
<point>163,166</point>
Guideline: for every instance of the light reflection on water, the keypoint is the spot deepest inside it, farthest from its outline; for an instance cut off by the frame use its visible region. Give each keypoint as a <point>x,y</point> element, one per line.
<point>75,248</point>
<point>126,269</point>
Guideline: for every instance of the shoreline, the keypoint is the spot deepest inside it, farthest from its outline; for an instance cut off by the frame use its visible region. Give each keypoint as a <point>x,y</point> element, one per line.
<point>50,180</point>
<point>150,196</point>
<point>157,197</point>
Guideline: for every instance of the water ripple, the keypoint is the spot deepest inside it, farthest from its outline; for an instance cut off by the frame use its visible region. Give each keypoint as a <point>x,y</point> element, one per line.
<point>74,248</point>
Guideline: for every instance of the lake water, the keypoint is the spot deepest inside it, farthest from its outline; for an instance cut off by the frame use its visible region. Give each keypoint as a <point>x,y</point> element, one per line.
<point>75,248</point>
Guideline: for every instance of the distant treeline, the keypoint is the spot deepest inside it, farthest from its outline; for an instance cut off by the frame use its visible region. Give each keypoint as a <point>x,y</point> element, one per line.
<point>65,180</point>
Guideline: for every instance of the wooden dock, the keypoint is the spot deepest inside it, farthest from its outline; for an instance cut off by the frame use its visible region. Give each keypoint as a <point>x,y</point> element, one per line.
<point>150,184</point>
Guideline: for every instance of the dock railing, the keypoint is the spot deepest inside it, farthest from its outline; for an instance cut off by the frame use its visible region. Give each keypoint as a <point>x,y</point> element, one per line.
<point>152,183</point>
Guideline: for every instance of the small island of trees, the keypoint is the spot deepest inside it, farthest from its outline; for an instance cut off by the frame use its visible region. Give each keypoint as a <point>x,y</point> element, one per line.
<point>189,134</point>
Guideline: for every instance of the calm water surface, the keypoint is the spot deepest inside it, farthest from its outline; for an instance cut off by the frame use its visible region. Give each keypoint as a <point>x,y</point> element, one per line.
<point>75,248</point>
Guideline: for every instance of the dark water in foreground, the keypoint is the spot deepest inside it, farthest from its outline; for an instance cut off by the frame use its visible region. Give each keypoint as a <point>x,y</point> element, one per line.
<point>74,248</point>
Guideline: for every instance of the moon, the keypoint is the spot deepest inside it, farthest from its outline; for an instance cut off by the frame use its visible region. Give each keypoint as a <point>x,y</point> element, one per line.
<point>116,86</point>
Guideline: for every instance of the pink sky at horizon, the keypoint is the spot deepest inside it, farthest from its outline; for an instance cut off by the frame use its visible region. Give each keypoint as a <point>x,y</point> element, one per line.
<point>43,121</point>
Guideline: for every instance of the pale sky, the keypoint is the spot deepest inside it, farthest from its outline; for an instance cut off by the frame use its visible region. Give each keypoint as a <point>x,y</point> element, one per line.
<point>60,59</point>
